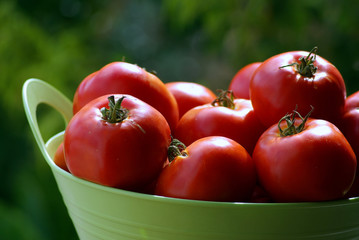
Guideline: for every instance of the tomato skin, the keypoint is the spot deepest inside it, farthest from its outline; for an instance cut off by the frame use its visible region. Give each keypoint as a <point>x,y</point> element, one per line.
<point>189,95</point>
<point>352,102</point>
<point>215,169</point>
<point>59,157</point>
<point>349,126</point>
<point>240,124</point>
<point>317,164</point>
<point>276,91</point>
<point>241,80</point>
<point>127,155</point>
<point>259,195</point>
<point>126,78</point>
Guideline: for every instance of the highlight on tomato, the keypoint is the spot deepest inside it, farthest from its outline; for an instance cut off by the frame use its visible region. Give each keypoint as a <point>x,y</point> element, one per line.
<point>241,80</point>
<point>211,169</point>
<point>225,116</point>
<point>117,141</point>
<point>126,78</point>
<point>303,159</point>
<point>189,95</point>
<point>297,78</point>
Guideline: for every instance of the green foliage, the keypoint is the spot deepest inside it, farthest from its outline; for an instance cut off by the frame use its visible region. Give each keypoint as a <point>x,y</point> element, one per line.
<point>30,200</point>
<point>63,41</point>
<point>230,34</point>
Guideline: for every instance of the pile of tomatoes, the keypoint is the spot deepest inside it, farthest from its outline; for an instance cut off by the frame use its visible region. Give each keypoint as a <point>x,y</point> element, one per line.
<point>284,131</point>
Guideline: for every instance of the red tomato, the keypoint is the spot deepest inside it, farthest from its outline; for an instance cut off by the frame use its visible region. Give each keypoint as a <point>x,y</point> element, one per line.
<point>277,88</point>
<point>349,126</point>
<point>212,169</point>
<point>259,195</point>
<point>126,78</point>
<point>59,157</point>
<point>124,146</point>
<point>352,102</point>
<point>240,82</point>
<point>309,161</point>
<point>189,95</point>
<point>237,121</point>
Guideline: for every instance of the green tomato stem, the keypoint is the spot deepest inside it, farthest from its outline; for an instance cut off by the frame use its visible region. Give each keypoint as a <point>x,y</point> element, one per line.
<point>176,148</point>
<point>306,66</point>
<point>115,113</point>
<point>291,129</point>
<point>224,99</point>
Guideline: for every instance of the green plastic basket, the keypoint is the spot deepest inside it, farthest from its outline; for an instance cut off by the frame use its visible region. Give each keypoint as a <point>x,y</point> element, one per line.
<point>100,212</point>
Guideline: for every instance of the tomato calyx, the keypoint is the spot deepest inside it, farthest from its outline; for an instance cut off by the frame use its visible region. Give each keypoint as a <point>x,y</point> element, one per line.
<point>115,113</point>
<point>224,99</point>
<point>306,66</point>
<point>291,129</point>
<point>175,149</point>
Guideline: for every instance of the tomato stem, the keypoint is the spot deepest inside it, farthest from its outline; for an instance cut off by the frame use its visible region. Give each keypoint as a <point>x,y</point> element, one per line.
<point>306,66</point>
<point>291,129</point>
<point>176,148</point>
<point>224,99</point>
<point>115,113</point>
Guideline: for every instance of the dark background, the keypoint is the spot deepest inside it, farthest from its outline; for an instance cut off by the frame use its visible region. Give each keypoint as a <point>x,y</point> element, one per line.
<point>62,41</point>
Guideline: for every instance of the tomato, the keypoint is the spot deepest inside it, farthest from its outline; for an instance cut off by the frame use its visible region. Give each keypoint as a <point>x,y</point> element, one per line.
<point>259,195</point>
<point>126,78</point>
<point>211,169</point>
<point>352,102</point>
<point>189,95</point>
<point>349,123</point>
<point>240,82</point>
<point>123,146</point>
<point>59,157</point>
<point>308,160</point>
<point>297,78</point>
<point>227,117</point>
<point>349,126</point>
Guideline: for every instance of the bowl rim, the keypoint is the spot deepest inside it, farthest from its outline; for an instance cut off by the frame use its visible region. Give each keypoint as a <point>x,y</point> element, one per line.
<point>201,203</point>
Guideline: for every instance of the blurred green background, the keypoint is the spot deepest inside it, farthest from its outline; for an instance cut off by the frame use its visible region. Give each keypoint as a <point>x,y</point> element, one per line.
<point>62,41</point>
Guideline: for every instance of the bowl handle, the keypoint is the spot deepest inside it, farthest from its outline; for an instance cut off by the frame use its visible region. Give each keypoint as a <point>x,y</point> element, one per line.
<point>35,92</point>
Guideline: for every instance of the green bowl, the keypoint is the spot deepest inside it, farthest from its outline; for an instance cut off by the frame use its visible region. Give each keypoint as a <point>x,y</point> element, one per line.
<point>100,212</point>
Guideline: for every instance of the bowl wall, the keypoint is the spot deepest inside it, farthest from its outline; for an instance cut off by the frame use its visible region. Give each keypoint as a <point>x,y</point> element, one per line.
<point>100,212</point>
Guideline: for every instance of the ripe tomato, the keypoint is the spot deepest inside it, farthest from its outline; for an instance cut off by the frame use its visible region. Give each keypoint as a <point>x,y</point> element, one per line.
<point>352,102</point>
<point>124,146</point>
<point>59,157</point>
<point>240,82</point>
<point>126,78</point>
<point>350,129</point>
<point>227,117</point>
<point>189,95</point>
<point>212,169</point>
<point>297,78</point>
<point>310,160</point>
<point>349,126</point>
<point>259,195</point>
